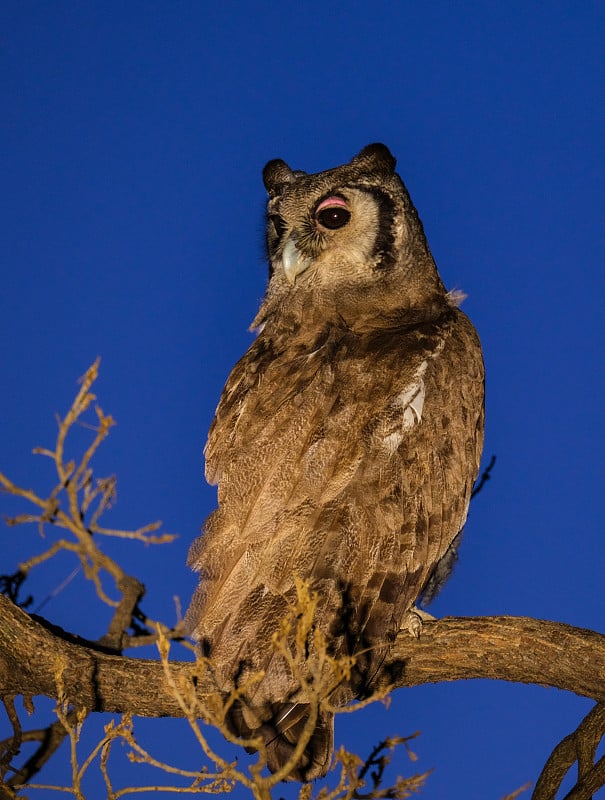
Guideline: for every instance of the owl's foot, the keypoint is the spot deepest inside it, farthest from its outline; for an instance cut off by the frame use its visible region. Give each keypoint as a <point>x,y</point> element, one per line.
<point>414,620</point>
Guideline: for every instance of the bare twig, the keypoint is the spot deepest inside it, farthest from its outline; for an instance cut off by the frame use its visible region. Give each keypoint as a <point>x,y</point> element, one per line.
<point>85,496</point>
<point>50,739</point>
<point>10,747</point>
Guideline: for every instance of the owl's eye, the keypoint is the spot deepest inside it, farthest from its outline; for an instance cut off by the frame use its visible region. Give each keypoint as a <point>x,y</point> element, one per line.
<point>332,213</point>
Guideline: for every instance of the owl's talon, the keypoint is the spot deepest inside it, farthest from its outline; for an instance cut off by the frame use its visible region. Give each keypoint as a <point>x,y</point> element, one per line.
<point>414,621</point>
<point>412,624</point>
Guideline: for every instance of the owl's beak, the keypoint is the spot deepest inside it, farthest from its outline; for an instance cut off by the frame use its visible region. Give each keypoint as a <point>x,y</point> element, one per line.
<point>293,260</point>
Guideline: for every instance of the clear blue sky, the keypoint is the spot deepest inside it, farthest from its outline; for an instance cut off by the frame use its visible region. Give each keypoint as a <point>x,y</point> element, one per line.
<point>133,136</point>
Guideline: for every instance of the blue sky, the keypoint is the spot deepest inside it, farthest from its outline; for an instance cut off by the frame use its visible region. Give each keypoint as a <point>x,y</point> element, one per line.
<point>132,141</point>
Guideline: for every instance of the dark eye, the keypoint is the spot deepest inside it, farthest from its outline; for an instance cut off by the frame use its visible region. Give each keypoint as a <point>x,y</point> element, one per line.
<point>333,218</point>
<point>279,226</point>
<point>332,213</point>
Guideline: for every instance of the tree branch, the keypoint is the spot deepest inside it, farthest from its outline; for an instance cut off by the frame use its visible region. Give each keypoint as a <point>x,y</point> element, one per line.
<point>581,747</point>
<point>519,649</point>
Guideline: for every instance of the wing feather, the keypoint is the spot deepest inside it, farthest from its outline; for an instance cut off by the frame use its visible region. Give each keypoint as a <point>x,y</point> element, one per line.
<point>308,487</point>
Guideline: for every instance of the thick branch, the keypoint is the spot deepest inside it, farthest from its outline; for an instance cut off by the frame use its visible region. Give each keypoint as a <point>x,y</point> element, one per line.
<point>503,648</point>
<point>519,649</point>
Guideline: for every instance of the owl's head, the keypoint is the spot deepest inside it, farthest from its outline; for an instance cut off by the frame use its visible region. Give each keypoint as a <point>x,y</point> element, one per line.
<point>349,235</point>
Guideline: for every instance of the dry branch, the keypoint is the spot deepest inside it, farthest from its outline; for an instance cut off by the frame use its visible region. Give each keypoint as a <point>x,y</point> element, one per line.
<point>581,747</point>
<point>504,648</point>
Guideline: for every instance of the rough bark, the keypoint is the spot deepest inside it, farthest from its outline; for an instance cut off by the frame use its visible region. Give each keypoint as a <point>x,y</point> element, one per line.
<point>516,649</point>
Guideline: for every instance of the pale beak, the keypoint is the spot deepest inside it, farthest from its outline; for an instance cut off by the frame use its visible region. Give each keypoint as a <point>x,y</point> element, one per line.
<point>294,262</point>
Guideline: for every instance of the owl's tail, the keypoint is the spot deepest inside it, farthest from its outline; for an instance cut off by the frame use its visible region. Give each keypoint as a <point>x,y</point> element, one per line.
<point>280,726</point>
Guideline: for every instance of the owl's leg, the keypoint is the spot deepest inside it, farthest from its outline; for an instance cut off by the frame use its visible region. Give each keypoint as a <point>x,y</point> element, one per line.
<point>414,619</point>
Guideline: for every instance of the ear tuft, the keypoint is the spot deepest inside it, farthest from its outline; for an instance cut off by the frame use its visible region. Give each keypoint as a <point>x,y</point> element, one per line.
<point>375,158</point>
<point>275,174</point>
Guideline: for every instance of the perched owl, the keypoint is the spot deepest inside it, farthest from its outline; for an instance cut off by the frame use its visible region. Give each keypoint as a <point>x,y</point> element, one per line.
<point>345,445</point>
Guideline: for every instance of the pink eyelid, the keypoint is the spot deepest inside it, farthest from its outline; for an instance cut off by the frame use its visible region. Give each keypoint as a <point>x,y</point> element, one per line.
<point>330,202</point>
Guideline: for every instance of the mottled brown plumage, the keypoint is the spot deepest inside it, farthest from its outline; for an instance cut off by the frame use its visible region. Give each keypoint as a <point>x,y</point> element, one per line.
<point>345,444</point>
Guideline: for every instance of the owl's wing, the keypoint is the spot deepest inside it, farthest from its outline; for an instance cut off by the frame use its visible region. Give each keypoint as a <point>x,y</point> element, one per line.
<point>350,465</point>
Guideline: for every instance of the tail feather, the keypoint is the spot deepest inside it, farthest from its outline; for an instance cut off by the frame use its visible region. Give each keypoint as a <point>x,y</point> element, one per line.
<point>280,726</point>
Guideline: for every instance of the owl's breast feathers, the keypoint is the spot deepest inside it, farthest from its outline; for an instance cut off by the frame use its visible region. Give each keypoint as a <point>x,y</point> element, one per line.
<point>346,459</point>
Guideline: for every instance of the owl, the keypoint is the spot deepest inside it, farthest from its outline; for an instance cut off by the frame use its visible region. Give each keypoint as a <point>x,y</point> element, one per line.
<point>345,446</point>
